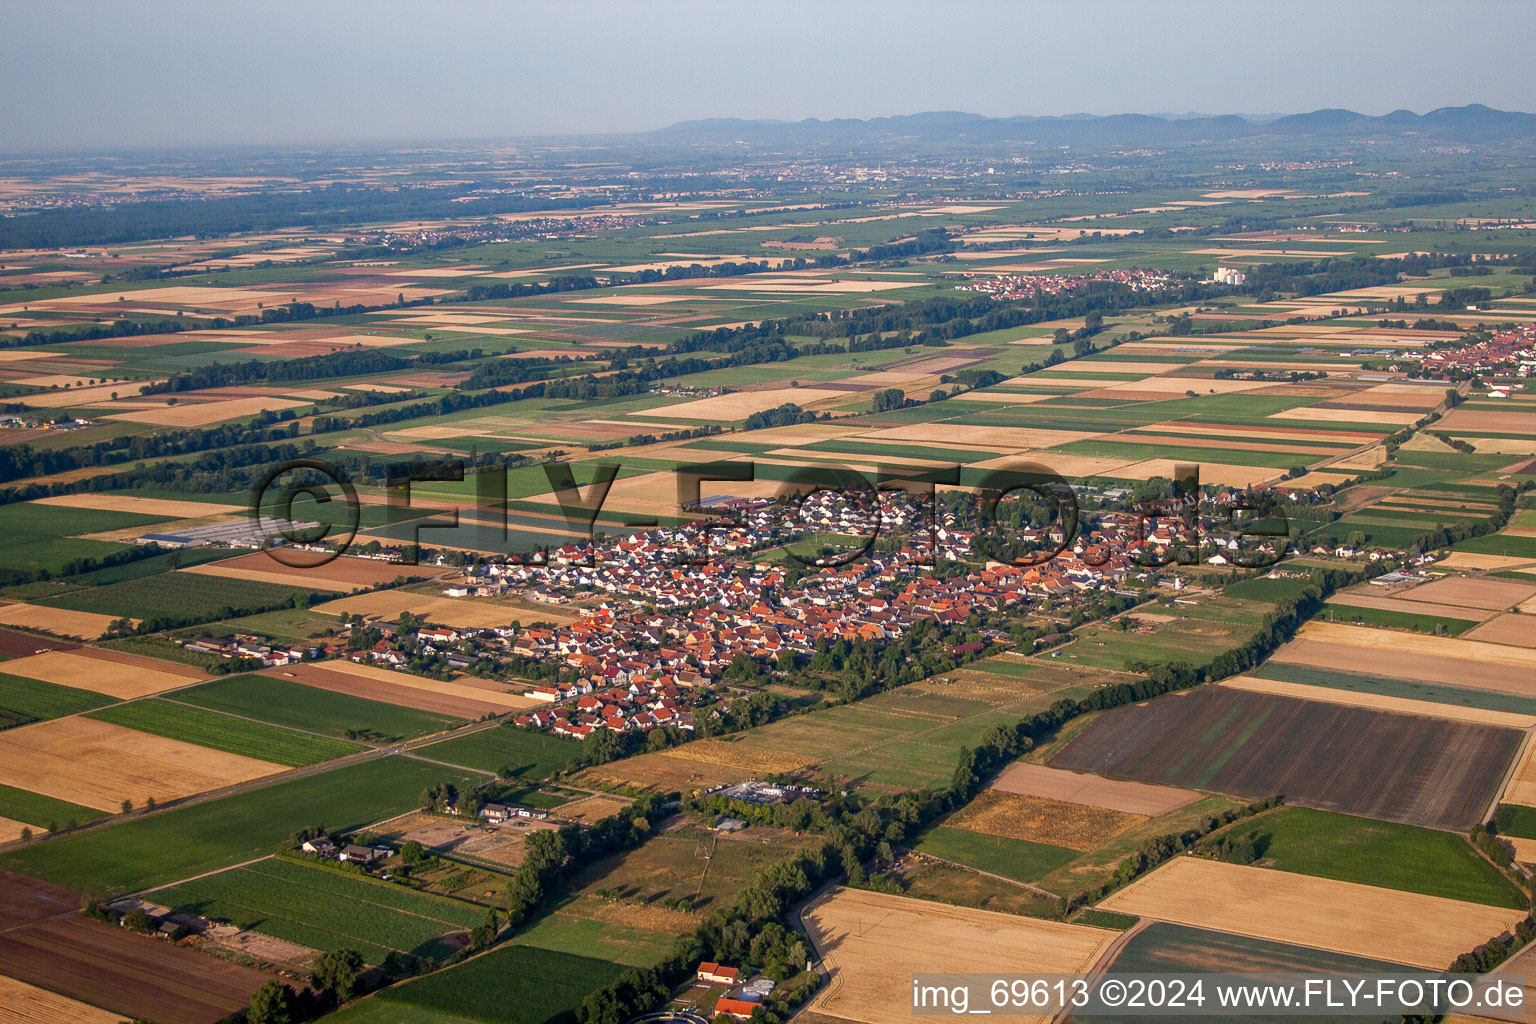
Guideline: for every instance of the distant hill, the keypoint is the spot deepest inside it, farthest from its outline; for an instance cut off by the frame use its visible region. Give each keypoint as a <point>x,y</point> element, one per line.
<point>1470,124</point>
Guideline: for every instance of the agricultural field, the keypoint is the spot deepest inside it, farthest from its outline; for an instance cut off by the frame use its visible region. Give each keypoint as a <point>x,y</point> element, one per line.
<point>225,732</point>
<point>169,330</point>
<point>184,841</point>
<point>464,697</point>
<point>24,809</point>
<point>1193,633</point>
<point>322,909</point>
<point>1018,859</point>
<point>46,945</point>
<point>905,738</point>
<point>1378,764</point>
<point>101,764</point>
<point>508,750</point>
<point>1341,917</point>
<point>941,882</point>
<point>1056,785</point>
<point>27,1004</point>
<point>183,595</point>
<point>1428,659</point>
<point>690,863</point>
<point>32,700</point>
<point>1177,949</point>
<point>872,944</point>
<point>532,986</point>
<point>1039,819</point>
<point>1376,688</point>
<point>1385,854</point>
<point>624,934</point>
<point>108,672</point>
<point>292,705</point>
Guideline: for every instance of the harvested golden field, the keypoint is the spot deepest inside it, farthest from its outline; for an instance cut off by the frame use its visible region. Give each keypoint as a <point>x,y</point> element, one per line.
<point>1473,592</point>
<point>1522,782</point>
<point>1513,628</point>
<point>1210,472</point>
<point>1403,602</point>
<point>142,506</point>
<point>73,397</point>
<point>1138,798</point>
<point>1406,664</point>
<point>963,434</point>
<point>443,611</point>
<point>1421,644</point>
<point>101,765</point>
<point>1344,917</point>
<point>1474,560</point>
<point>82,625</point>
<point>873,943</point>
<point>1380,702</point>
<point>388,692</point>
<point>655,494</point>
<point>10,829</point>
<point>110,672</point>
<point>338,574</point>
<point>485,692</point>
<point>1042,820</point>
<point>668,770</point>
<point>741,404</point>
<point>1312,412</point>
<point>1166,386</point>
<point>631,915</point>
<point>201,414</point>
<point>592,808</point>
<point>21,1003</point>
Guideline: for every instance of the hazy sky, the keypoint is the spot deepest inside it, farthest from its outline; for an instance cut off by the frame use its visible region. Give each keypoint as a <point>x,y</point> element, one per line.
<point>108,73</point>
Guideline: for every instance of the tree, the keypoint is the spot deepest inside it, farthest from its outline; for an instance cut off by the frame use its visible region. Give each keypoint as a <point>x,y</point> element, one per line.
<point>337,972</point>
<point>137,920</point>
<point>127,806</point>
<point>272,1004</point>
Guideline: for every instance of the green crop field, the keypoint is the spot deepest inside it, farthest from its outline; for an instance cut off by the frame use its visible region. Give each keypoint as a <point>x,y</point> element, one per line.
<point>322,909</point>
<point>43,811</point>
<point>530,755</point>
<point>1501,544</point>
<point>226,732</point>
<point>169,845</point>
<point>567,930</point>
<point>530,986</point>
<point>1017,859</point>
<point>1522,822</point>
<point>1394,620</point>
<point>296,706</point>
<point>44,536</point>
<point>178,595</point>
<point>1381,853</point>
<point>30,700</point>
<point>1106,919</point>
<point>1265,588</point>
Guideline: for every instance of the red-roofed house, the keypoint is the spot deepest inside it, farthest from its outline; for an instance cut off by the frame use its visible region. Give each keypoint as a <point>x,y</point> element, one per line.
<point>718,973</point>
<point>738,1009</point>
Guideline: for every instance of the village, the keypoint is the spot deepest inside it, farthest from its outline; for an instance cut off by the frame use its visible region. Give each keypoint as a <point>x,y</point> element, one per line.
<point>1510,353</point>
<point>1016,286</point>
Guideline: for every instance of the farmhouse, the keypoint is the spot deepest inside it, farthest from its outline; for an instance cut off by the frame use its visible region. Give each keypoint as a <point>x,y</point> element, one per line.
<point>362,854</point>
